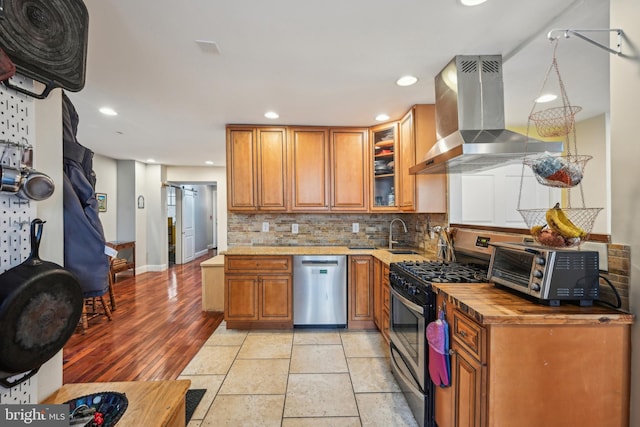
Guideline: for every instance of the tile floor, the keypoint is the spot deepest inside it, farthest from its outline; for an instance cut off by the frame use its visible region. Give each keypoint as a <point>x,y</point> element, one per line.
<point>296,378</point>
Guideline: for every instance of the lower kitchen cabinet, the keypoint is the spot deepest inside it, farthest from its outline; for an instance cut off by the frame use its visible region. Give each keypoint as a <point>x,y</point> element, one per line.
<point>258,292</point>
<point>530,370</point>
<point>381,297</point>
<point>360,285</point>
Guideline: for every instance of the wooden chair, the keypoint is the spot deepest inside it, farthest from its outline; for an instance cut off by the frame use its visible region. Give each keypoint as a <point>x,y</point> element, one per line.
<point>92,301</point>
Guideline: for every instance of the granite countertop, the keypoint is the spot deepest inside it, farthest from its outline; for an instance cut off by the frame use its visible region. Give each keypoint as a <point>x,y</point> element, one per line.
<point>382,254</point>
<point>488,304</point>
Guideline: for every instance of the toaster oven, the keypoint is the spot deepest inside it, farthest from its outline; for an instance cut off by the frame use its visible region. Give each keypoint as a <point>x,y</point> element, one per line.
<point>549,275</point>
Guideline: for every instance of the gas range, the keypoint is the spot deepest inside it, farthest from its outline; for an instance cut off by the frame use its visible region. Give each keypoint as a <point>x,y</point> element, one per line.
<point>413,279</point>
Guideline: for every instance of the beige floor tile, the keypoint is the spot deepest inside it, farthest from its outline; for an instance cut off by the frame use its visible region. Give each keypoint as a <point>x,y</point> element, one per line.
<point>322,422</point>
<point>266,346</point>
<point>371,374</point>
<point>316,336</point>
<point>245,410</point>
<point>212,384</point>
<point>310,359</point>
<point>256,376</point>
<point>194,423</point>
<point>211,360</point>
<point>384,410</point>
<point>226,337</point>
<point>364,344</point>
<point>320,395</point>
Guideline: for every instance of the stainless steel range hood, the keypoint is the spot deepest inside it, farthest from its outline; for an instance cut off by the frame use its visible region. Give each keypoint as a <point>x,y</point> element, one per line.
<point>470,120</point>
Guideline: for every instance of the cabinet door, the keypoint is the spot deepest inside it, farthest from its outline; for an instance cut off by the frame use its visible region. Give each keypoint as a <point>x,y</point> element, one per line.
<point>384,165</point>
<point>349,170</point>
<point>241,178</point>
<point>467,388</point>
<point>275,298</point>
<point>241,297</point>
<point>361,292</point>
<point>377,293</point>
<point>406,159</point>
<point>309,168</point>
<point>431,189</point>
<point>272,161</point>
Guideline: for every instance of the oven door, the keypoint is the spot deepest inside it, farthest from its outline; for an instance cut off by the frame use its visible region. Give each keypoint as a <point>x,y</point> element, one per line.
<point>407,333</point>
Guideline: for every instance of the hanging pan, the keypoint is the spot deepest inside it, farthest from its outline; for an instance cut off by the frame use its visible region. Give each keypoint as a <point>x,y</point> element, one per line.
<point>47,42</point>
<point>40,306</point>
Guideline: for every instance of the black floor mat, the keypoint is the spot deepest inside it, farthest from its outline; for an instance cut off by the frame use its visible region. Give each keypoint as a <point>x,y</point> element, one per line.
<point>192,399</point>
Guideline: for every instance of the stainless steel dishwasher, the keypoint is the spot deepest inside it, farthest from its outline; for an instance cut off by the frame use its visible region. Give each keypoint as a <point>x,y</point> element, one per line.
<point>320,290</point>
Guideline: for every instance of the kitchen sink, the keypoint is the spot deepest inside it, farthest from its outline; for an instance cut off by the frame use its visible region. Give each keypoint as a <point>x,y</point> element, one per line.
<point>402,251</point>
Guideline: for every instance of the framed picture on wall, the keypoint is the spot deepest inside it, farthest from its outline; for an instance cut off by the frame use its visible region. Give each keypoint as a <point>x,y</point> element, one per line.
<point>102,202</point>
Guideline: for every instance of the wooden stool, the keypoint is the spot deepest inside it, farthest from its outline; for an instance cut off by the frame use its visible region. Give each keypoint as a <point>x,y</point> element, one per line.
<point>86,315</point>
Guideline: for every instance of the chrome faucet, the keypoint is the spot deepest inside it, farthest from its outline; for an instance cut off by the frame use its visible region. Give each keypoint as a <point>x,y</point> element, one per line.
<point>391,241</point>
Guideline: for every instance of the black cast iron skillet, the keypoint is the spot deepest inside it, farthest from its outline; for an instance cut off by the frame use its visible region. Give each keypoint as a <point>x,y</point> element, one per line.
<point>40,306</point>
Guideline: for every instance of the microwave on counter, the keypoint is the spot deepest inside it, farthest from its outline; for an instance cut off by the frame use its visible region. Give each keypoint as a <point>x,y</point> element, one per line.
<point>549,275</point>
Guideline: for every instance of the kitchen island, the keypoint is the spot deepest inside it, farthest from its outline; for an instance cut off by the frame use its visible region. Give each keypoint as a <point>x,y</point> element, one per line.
<point>514,359</point>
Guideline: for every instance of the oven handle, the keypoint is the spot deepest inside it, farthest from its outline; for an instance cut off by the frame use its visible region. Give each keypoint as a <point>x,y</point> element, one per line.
<point>413,306</point>
<point>410,384</point>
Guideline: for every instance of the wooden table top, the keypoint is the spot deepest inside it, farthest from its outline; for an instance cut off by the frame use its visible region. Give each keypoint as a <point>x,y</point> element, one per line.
<point>488,304</point>
<point>151,403</point>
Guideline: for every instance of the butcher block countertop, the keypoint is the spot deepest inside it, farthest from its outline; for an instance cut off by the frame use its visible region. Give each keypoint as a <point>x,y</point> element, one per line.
<point>488,304</point>
<point>382,254</point>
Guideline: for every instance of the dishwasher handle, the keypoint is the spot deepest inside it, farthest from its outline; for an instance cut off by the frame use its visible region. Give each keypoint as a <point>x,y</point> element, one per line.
<point>320,262</point>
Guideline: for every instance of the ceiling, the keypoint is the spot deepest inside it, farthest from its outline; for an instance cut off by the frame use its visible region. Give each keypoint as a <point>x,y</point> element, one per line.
<point>330,62</point>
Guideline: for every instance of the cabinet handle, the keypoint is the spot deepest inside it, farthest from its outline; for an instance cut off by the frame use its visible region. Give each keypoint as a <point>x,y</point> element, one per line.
<point>451,352</point>
<point>462,333</point>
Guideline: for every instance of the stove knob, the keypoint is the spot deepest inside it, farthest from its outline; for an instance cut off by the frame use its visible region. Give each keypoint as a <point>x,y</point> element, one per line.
<point>535,287</point>
<point>537,274</point>
<point>540,260</point>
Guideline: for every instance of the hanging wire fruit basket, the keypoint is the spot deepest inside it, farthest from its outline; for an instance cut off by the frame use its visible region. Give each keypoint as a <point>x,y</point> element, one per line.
<point>556,121</point>
<point>558,171</point>
<point>565,228</point>
<point>559,227</point>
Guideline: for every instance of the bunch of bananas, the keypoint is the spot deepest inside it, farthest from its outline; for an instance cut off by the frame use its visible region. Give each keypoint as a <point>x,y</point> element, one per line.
<point>558,221</point>
<point>559,231</point>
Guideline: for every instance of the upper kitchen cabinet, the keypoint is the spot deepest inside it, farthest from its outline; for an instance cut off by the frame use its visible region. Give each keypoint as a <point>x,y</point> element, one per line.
<point>256,168</point>
<point>309,168</point>
<point>385,158</point>
<point>418,129</point>
<point>349,154</point>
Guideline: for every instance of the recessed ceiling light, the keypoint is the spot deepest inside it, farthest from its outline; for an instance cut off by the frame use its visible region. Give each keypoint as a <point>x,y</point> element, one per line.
<point>271,115</point>
<point>472,2</point>
<point>151,161</point>
<point>547,97</point>
<point>208,162</point>
<point>406,80</point>
<point>108,111</point>
<point>382,117</point>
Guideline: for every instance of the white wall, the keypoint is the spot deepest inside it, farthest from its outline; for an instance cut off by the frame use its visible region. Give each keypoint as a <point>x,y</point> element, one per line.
<point>155,214</point>
<point>625,170</point>
<point>106,170</point>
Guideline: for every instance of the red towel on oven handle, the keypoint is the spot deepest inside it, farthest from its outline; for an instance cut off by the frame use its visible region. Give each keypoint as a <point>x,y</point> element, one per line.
<point>439,365</point>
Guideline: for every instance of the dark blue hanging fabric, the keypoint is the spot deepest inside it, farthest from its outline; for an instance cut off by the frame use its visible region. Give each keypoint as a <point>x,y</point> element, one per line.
<point>84,240</point>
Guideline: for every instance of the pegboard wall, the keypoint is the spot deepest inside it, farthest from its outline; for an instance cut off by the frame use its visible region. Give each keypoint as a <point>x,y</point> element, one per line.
<point>17,123</point>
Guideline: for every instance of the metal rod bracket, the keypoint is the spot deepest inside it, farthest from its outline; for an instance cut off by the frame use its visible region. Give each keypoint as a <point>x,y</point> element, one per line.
<point>578,33</point>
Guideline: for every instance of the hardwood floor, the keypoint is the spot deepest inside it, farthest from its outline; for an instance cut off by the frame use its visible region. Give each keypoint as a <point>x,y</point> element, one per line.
<point>156,330</point>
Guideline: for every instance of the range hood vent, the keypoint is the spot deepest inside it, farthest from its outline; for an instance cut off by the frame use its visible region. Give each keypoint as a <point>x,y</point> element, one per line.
<point>470,121</point>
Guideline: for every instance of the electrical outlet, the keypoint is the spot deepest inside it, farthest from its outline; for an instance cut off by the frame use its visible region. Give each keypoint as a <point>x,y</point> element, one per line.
<point>265,227</point>
<point>355,227</point>
<point>294,228</point>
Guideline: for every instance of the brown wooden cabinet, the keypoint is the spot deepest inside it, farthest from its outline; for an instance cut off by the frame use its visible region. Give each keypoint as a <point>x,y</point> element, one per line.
<point>430,189</point>
<point>256,169</point>
<point>406,158</point>
<point>360,285</point>
<point>536,366</point>
<point>258,291</point>
<point>309,169</point>
<point>349,169</point>
<point>384,189</point>
<point>381,297</point>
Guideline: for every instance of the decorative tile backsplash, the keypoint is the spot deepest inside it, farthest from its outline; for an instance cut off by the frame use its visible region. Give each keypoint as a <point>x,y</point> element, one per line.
<point>332,229</point>
<point>373,230</point>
